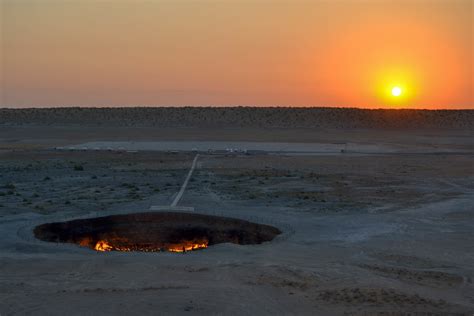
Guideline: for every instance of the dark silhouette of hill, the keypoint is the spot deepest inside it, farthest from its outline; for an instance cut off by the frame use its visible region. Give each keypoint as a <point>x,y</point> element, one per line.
<point>268,117</point>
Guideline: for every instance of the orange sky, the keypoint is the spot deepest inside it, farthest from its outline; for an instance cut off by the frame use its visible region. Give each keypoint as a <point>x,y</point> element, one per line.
<point>237,52</point>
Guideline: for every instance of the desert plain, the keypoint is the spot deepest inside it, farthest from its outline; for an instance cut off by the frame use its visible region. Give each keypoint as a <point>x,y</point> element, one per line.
<point>375,208</point>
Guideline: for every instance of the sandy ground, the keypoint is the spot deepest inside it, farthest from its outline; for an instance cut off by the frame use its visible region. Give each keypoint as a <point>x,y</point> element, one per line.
<point>389,232</point>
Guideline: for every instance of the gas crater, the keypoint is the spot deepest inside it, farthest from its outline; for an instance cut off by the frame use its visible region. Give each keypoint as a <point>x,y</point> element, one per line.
<point>154,232</point>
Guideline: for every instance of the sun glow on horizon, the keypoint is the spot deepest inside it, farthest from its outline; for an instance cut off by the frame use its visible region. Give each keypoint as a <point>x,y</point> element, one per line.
<point>396,91</point>
<point>397,85</point>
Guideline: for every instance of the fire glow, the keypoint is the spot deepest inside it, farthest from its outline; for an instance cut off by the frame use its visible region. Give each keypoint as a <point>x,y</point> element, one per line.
<point>103,245</point>
<point>187,247</point>
<point>184,246</point>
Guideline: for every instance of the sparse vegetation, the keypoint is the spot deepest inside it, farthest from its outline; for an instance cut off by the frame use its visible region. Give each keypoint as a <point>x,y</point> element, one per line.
<point>10,186</point>
<point>39,207</point>
<point>245,117</point>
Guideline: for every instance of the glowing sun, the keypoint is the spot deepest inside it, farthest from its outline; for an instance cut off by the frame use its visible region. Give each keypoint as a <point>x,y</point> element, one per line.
<point>396,91</point>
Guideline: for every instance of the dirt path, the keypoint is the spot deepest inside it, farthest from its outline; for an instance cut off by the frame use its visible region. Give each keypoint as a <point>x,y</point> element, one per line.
<point>185,183</point>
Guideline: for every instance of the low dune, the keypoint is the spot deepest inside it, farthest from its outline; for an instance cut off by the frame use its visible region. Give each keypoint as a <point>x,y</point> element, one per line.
<point>271,117</point>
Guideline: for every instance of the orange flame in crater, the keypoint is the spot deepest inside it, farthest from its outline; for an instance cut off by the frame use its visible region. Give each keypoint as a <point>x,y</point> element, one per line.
<point>187,247</point>
<point>104,245</point>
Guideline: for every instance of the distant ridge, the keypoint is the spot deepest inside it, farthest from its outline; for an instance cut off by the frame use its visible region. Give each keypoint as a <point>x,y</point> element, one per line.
<point>259,117</point>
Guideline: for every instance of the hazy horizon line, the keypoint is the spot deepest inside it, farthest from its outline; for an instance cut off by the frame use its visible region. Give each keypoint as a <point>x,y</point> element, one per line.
<point>227,106</point>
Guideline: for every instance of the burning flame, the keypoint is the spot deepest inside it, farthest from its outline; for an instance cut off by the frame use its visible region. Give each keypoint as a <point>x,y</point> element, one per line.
<point>187,247</point>
<point>103,245</point>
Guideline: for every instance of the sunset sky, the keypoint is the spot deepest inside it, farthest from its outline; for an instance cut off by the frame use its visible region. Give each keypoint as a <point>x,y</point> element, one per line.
<point>349,53</point>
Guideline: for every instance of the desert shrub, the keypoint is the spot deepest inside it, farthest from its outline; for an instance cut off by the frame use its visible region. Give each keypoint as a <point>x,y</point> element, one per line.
<point>39,207</point>
<point>133,195</point>
<point>78,168</point>
<point>10,186</point>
